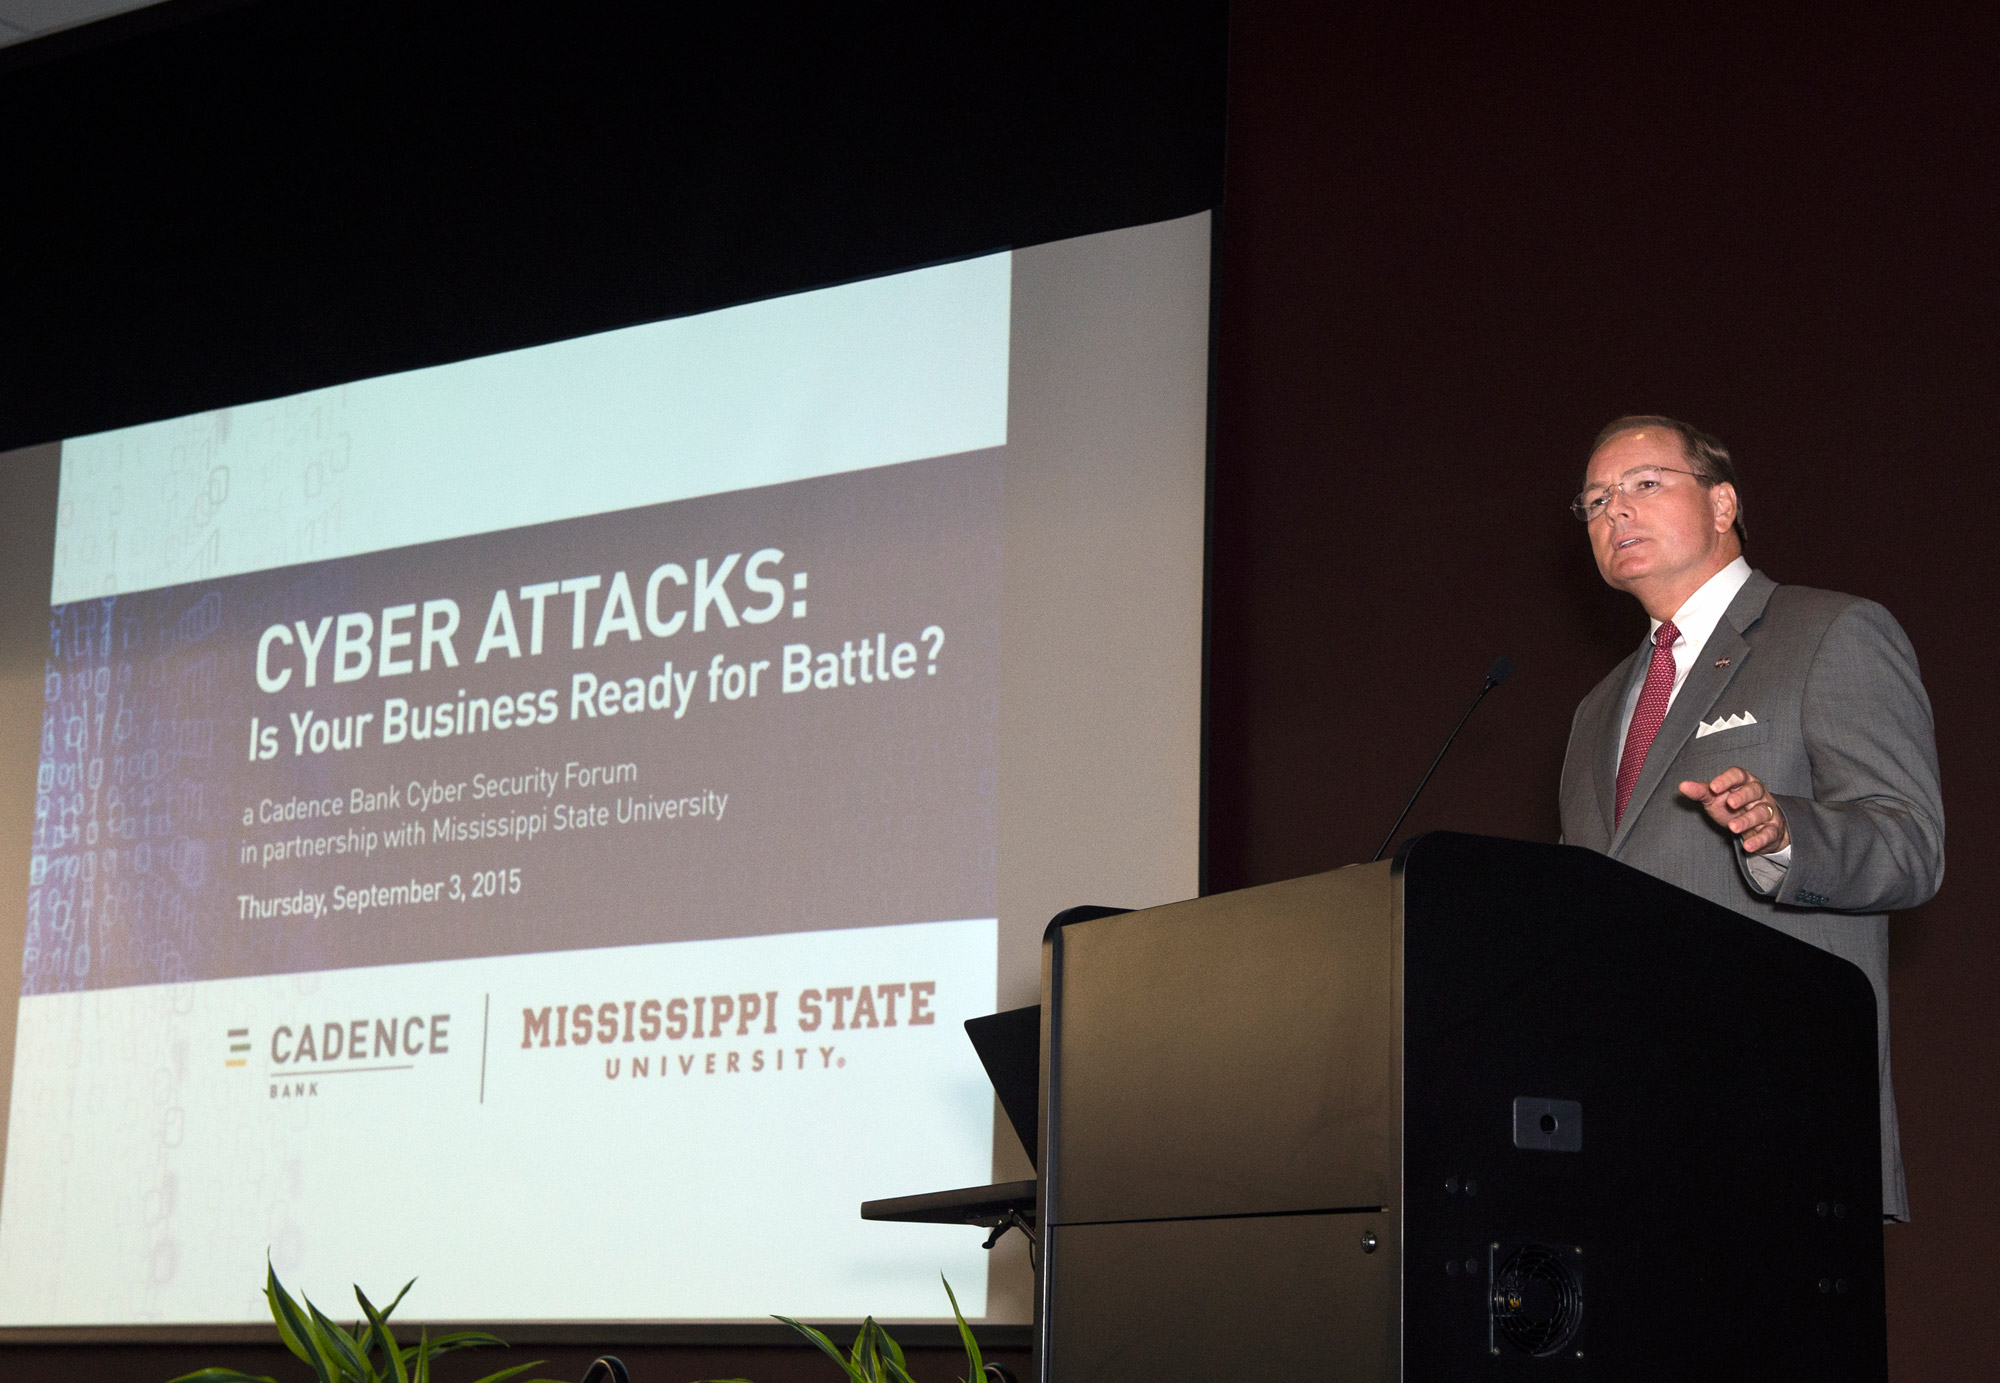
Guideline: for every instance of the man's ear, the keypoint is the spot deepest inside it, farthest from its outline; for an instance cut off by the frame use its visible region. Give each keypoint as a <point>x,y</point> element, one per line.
<point>1722,504</point>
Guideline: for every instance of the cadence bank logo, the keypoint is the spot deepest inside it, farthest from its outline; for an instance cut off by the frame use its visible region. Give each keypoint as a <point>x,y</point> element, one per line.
<point>300,1054</point>
<point>746,1033</point>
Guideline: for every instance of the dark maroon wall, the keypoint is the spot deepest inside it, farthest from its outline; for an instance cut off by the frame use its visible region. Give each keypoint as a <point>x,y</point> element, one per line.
<point>1451,250</point>
<point>648,1363</point>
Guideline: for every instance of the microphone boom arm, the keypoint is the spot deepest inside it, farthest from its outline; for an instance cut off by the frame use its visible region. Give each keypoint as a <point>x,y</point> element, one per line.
<point>1502,668</point>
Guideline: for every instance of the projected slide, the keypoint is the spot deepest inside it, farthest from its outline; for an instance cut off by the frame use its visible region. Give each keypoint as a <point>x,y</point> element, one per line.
<point>531,822</point>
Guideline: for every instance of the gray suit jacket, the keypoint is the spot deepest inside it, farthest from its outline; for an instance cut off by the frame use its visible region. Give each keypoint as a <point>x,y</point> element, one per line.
<point>1842,736</point>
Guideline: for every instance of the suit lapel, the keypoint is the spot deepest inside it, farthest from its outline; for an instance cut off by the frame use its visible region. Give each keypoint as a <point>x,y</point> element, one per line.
<point>1599,734</point>
<point>1705,683</point>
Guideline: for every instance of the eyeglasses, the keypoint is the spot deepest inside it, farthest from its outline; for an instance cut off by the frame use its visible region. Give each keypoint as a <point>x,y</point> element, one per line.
<point>1641,482</point>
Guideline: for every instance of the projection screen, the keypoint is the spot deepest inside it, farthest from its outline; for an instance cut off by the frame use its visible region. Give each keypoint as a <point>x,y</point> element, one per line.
<point>538,823</point>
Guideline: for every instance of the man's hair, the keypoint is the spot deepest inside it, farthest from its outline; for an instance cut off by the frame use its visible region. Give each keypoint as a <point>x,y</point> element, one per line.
<point>1705,454</point>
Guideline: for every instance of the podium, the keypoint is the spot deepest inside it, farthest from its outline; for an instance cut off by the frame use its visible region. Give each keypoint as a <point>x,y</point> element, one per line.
<point>1491,1110</point>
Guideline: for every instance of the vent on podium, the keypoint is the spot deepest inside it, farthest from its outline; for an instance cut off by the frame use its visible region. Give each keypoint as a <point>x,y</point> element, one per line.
<point>1537,1299</point>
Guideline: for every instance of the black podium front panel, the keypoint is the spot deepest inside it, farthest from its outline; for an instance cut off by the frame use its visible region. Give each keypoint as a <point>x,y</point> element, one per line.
<point>1725,1075</point>
<point>1498,1109</point>
<point>1296,1294</point>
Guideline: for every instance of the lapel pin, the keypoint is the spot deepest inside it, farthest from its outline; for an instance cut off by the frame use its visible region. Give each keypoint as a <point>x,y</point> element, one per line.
<point>1722,662</point>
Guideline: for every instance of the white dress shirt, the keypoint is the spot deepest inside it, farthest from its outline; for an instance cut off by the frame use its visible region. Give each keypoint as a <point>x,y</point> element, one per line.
<point>1696,620</point>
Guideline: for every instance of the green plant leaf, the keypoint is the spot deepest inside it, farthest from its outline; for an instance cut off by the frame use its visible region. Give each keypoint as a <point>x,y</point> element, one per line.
<point>881,1358</point>
<point>277,1298</point>
<point>826,1346</point>
<point>344,1350</point>
<point>370,1339</point>
<point>885,1356</point>
<point>895,1350</point>
<point>868,1351</point>
<point>390,1309</point>
<point>464,1339</point>
<point>893,1368</point>
<point>873,1329</point>
<point>378,1331</point>
<point>379,1321</point>
<point>319,1336</point>
<point>514,1372</point>
<point>973,1358</point>
<point>857,1354</point>
<point>343,1355</point>
<point>899,1362</point>
<point>292,1322</point>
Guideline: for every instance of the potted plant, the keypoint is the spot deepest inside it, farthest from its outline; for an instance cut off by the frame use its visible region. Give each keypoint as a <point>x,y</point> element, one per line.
<point>358,1355</point>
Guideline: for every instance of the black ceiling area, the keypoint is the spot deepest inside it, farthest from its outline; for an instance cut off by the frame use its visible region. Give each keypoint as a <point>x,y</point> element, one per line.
<point>215,203</point>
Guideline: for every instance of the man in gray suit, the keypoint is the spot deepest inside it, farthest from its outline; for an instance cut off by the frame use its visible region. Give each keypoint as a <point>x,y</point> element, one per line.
<point>1768,747</point>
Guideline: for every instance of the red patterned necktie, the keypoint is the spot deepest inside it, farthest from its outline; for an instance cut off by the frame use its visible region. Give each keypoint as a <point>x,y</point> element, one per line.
<point>1647,715</point>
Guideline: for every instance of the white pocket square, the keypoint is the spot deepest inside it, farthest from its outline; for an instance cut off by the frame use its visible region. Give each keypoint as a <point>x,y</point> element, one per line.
<point>1711,727</point>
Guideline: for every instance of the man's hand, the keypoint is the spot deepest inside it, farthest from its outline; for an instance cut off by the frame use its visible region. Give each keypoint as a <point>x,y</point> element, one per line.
<point>1737,800</point>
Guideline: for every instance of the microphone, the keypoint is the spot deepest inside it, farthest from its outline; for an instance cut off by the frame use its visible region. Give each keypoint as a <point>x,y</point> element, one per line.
<point>1502,669</point>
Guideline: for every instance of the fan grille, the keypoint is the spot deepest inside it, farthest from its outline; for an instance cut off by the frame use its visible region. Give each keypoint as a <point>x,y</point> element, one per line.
<point>1537,1300</point>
